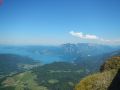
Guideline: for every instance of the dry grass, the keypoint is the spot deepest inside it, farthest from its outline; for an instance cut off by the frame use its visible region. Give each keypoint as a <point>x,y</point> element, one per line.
<point>99,81</point>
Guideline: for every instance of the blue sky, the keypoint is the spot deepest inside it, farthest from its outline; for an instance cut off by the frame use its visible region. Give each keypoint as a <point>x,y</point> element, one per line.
<point>52,22</point>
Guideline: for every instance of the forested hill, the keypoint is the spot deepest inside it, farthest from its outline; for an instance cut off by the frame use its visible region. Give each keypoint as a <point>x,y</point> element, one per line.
<point>11,63</point>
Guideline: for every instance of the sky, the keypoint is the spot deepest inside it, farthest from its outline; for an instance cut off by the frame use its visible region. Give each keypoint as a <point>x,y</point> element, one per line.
<point>54,22</point>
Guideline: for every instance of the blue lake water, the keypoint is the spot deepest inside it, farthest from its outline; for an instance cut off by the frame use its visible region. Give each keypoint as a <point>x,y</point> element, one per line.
<point>40,54</point>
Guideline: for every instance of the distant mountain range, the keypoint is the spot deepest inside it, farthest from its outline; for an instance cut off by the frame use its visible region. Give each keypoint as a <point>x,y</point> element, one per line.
<point>66,52</point>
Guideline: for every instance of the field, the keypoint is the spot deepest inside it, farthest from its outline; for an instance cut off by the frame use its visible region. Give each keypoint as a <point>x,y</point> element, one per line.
<point>23,81</point>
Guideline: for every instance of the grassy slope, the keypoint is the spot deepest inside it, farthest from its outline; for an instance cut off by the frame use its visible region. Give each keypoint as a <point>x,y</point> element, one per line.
<point>101,81</point>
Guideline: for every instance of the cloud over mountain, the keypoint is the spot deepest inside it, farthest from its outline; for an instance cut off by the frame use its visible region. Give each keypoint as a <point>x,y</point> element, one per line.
<point>92,37</point>
<point>83,36</point>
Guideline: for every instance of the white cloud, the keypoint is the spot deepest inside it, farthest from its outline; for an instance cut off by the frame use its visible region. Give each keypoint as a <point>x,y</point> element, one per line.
<point>93,37</point>
<point>83,36</point>
<point>77,34</point>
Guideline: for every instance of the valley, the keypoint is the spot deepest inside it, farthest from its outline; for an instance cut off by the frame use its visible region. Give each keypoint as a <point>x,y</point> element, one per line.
<point>50,67</point>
